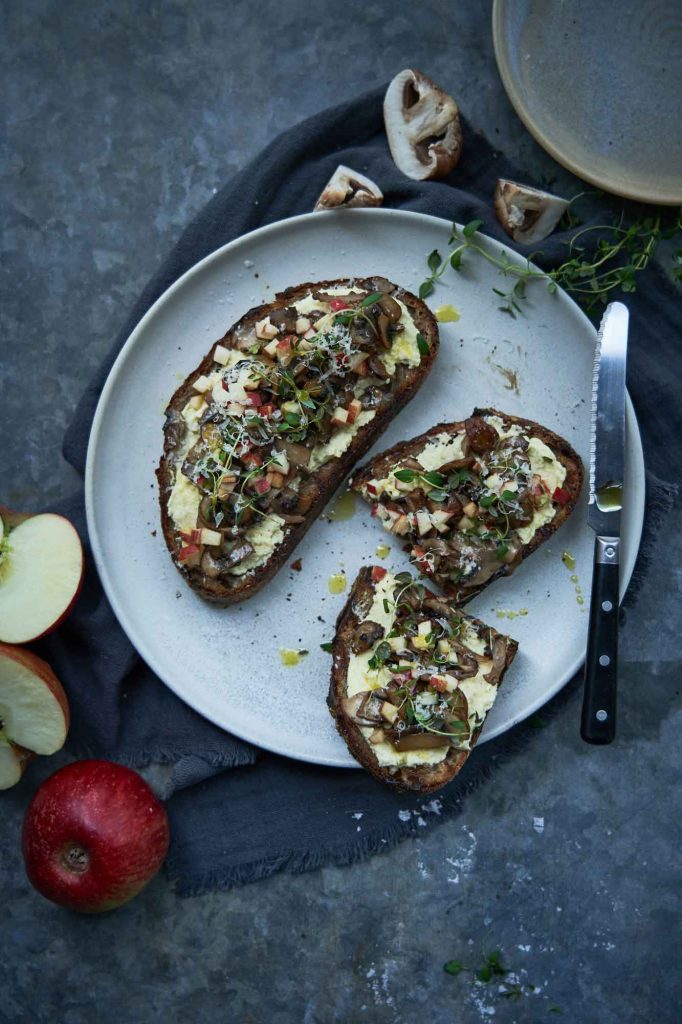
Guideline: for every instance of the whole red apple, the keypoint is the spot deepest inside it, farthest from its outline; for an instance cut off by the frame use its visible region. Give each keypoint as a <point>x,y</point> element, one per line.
<point>94,835</point>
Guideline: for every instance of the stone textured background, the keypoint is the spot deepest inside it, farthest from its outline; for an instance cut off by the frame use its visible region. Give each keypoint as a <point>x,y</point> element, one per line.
<point>121,121</point>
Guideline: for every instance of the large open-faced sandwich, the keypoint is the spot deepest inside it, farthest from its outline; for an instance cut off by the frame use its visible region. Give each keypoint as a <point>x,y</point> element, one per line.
<point>473,499</point>
<point>413,679</point>
<point>260,435</point>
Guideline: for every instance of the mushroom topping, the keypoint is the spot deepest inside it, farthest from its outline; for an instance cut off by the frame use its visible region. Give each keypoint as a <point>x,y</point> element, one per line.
<point>499,660</point>
<point>349,188</point>
<point>422,125</point>
<point>366,635</point>
<point>525,213</point>
<point>391,308</point>
<point>284,319</point>
<point>482,436</point>
<point>174,428</point>
<point>297,454</point>
<point>213,567</point>
<point>364,708</point>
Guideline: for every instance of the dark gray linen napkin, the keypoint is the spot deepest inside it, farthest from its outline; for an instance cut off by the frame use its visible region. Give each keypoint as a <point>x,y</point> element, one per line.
<point>267,813</point>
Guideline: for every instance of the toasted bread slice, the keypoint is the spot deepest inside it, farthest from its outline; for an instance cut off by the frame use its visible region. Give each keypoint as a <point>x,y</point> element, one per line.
<point>473,499</point>
<point>413,679</point>
<point>261,434</point>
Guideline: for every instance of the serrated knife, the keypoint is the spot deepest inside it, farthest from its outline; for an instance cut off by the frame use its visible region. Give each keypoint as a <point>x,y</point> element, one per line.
<point>607,460</point>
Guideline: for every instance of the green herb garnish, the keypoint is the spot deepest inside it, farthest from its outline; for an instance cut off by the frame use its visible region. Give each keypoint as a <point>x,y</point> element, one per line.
<point>454,967</point>
<point>621,252</point>
<point>422,344</point>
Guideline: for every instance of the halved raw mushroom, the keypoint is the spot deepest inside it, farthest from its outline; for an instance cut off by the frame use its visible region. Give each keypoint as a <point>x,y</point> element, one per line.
<point>527,214</point>
<point>422,125</point>
<point>347,187</point>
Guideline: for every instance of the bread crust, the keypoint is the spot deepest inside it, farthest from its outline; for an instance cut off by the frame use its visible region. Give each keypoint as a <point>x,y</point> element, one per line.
<point>384,462</point>
<point>318,488</point>
<point>421,779</point>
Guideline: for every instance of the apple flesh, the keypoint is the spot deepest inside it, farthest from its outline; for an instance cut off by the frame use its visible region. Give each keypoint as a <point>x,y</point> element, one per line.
<point>34,711</point>
<point>41,572</point>
<point>94,836</point>
<point>13,761</point>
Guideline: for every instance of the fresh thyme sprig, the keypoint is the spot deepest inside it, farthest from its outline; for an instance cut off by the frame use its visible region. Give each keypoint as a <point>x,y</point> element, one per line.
<point>591,273</point>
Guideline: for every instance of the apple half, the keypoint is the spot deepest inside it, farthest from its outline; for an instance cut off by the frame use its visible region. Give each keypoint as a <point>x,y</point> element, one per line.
<point>41,573</point>
<point>34,712</point>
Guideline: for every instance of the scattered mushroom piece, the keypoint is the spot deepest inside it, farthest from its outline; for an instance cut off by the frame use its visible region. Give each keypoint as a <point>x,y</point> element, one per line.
<point>347,187</point>
<point>367,634</point>
<point>422,125</point>
<point>527,214</point>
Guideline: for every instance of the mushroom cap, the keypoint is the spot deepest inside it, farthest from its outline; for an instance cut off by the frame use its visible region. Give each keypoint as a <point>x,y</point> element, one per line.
<point>422,125</point>
<point>347,187</point>
<point>527,214</point>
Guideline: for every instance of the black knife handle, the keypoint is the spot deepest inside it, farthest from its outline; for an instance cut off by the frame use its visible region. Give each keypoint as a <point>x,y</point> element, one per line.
<point>598,722</point>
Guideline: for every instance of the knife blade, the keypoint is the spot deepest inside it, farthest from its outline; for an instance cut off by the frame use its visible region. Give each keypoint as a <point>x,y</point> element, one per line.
<point>607,461</point>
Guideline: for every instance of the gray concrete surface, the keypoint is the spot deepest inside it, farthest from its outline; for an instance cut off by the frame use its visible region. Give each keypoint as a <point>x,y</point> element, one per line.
<point>121,120</point>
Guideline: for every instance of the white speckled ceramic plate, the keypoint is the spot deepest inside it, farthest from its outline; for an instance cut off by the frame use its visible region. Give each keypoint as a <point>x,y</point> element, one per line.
<point>599,85</point>
<point>226,662</point>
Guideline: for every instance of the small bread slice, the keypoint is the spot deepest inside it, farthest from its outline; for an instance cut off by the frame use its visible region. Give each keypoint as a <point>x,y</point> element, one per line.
<point>262,433</point>
<point>413,679</point>
<point>473,499</point>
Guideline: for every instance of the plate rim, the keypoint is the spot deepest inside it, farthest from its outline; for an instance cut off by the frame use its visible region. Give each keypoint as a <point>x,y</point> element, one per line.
<point>509,81</point>
<point>129,627</point>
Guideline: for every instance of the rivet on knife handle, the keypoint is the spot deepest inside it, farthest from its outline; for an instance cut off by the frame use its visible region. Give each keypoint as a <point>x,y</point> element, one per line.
<point>598,722</point>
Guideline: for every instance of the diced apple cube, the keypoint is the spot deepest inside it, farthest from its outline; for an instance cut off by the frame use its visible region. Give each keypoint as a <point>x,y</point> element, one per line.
<point>451,682</point>
<point>377,736</point>
<point>271,348</point>
<point>438,683</point>
<point>310,334</point>
<point>302,324</point>
<point>219,394</point>
<point>339,417</point>
<point>444,647</point>
<point>424,523</point>
<point>235,409</point>
<point>420,643</point>
<point>396,643</point>
<point>440,520</point>
<point>196,402</point>
<point>226,486</point>
<point>424,628</point>
<point>266,330</point>
<point>221,355</point>
<point>402,525</point>
<point>190,555</point>
<point>357,361</point>
<point>201,384</point>
<point>304,346</point>
<point>389,711</point>
<point>354,410</point>
<point>276,479</point>
<point>280,462</point>
<point>211,537</point>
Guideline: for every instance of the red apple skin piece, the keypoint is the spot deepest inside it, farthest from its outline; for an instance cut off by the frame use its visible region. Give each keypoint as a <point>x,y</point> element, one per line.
<point>41,669</point>
<point>11,520</point>
<point>94,835</point>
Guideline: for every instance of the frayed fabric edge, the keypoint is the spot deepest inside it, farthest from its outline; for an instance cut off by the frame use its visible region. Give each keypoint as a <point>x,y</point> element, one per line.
<point>488,760</point>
